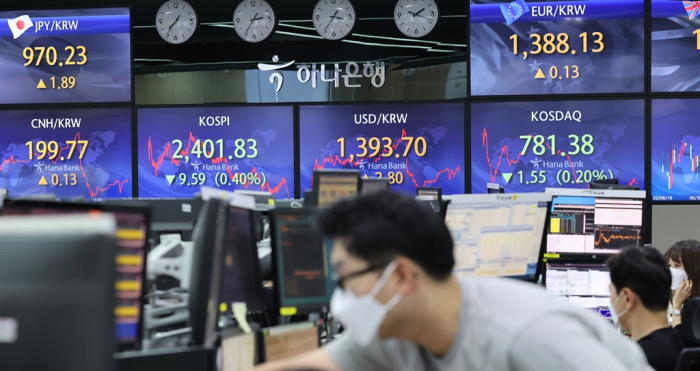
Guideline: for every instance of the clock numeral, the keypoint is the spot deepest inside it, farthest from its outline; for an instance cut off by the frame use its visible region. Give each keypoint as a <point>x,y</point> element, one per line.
<point>432,13</point>
<point>416,31</point>
<point>176,5</point>
<point>398,15</point>
<point>318,17</point>
<point>269,19</point>
<point>175,38</point>
<point>238,20</point>
<point>350,17</point>
<point>160,20</point>
<point>252,3</point>
<point>254,37</point>
<point>333,33</point>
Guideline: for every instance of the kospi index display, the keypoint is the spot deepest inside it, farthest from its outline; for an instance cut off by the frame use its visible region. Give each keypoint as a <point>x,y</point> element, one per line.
<point>416,145</point>
<point>182,149</point>
<point>65,56</point>
<point>529,146</point>
<point>675,45</point>
<point>557,47</point>
<point>68,153</point>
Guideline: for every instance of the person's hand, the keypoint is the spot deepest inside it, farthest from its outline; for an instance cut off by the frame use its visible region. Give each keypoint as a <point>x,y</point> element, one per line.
<point>682,294</point>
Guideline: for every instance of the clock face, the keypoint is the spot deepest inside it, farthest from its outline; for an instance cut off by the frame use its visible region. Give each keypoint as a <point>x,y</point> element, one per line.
<point>334,19</point>
<point>255,20</point>
<point>416,18</point>
<point>177,21</point>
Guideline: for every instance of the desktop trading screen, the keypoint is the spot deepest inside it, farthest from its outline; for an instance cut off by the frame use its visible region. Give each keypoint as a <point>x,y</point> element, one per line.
<point>333,187</point>
<point>497,235</point>
<point>594,224</point>
<point>585,285</point>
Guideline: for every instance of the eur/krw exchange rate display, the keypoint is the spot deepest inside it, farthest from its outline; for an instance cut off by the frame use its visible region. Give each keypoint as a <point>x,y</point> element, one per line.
<point>675,45</point>
<point>182,149</point>
<point>65,56</point>
<point>557,47</point>
<point>417,145</point>
<point>675,141</point>
<point>529,146</point>
<point>69,153</point>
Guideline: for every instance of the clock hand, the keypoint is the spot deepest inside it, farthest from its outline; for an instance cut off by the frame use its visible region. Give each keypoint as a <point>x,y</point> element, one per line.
<point>420,11</point>
<point>251,23</point>
<point>331,21</point>
<point>416,14</point>
<point>171,26</point>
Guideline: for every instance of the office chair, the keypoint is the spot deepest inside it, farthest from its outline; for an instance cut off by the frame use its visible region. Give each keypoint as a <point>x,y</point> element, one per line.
<point>690,333</point>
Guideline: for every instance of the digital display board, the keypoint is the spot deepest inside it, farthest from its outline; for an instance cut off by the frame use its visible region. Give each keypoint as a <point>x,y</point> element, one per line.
<point>556,47</point>
<point>675,140</point>
<point>69,153</point>
<point>65,56</point>
<point>675,45</point>
<point>528,146</point>
<point>416,145</point>
<point>182,149</point>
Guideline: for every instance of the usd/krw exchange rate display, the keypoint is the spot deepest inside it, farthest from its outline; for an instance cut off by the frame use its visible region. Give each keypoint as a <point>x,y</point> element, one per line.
<point>557,47</point>
<point>417,145</point>
<point>65,56</point>
<point>529,146</point>
<point>182,149</point>
<point>69,153</point>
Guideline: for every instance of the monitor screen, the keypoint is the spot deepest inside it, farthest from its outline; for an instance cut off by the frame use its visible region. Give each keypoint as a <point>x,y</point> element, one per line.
<point>334,186</point>
<point>528,146</point>
<point>67,153</point>
<point>556,47</point>
<point>674,161</point>
<point>675,46</point>
<point>497,235</point>
<point>594,221</point>
<point>585,285</point>
<point>373,185</point>
<point>431,193</point>
<point>65,56</point>
<point>302,259</point>
<point>414,145</point>
<point>230,148</point>
<point>241,280</point>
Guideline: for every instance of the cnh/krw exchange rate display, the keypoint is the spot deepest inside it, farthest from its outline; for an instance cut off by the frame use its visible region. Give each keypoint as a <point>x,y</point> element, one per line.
<point>528,146</point>
<point>182,149</point>
<point>65,56</point>
<point>416,145</point>
<point>69,153</point>
<point>675,142</point>
<point>557,47</point>
<point>675,45</point>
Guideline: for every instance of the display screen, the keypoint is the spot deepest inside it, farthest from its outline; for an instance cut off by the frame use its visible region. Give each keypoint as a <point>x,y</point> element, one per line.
<point>418,145</point>
<point>557,47</point>
<point>528,146</point>
<point>675,140</point>
<point>675,45</point>
<point>65,56</point>
<point>68,153</point>
<point>585,285</point>
<point>182,149</point>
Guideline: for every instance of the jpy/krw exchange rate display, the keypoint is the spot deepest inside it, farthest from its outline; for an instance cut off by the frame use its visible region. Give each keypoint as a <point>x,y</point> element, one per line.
<point>417,145</point>
<point>557,47</point>
<point>528,146</point>
<point>182,149</point>
<point>68,153</point>
<point>675,150</point>
<point>675,45</point>
<point>65,56</point>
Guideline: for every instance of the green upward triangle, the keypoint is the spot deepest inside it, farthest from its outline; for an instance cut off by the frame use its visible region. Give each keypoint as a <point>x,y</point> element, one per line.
<point>507,176</point>
<point>170,179</point>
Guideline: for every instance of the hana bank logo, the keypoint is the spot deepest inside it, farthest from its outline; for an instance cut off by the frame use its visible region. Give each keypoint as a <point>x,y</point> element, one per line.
<point>19,25</point>
<point>513,11</point>
<point>276,77</point>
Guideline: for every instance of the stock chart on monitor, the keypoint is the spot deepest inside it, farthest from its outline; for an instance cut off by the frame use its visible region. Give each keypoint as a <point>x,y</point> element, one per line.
<point>417,145</point>
<point>67,153</point>
<point>182,149</point>
<point>675,45</point>
<point>675,142</point>
<point>556,47</point>
<point>528,146</point>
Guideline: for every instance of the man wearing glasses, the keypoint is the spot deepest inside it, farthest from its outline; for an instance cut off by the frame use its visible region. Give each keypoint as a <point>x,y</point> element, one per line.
<point>404,310</point>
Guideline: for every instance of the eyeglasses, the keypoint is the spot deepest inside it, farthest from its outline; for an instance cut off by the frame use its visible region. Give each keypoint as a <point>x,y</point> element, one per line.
<point>340,281</point>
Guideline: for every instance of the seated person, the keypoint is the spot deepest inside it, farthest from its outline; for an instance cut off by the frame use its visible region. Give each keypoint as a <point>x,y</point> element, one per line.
<point>406,311</point>
<point>640,290</point>
<point>684,259</point>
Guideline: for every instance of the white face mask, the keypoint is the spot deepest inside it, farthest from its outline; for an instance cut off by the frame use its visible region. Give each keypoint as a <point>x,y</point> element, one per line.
<point>363,316</point>
<point>677,277</point>
<point>613,312</point>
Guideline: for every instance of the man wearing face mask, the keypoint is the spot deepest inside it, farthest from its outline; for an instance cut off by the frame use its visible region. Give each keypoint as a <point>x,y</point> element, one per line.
<point>404,310</point>
<point>639,295</point>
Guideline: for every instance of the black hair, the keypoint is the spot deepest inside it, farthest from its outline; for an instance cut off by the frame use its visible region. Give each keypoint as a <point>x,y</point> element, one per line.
<point>644,271</point>
<point>384,225</point>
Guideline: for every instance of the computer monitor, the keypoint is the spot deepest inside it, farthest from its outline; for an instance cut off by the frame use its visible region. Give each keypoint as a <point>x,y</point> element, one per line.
<point>241,280</point>
<point>435,193</point>
<point>582,284</point>
<point>57,292</point>
<point>264,201</point>
<point>132,229</point>
<point>168,216</point>
<point>333,185</point>
<point>286,341</point>
<point>301,261</point>
<point>374,185</point>
<point>594,221</point>
<point>607,181</point>
<point>205,284</point>
<point>496,235</point>
<point>495,188</point>
<point>613,187</point>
